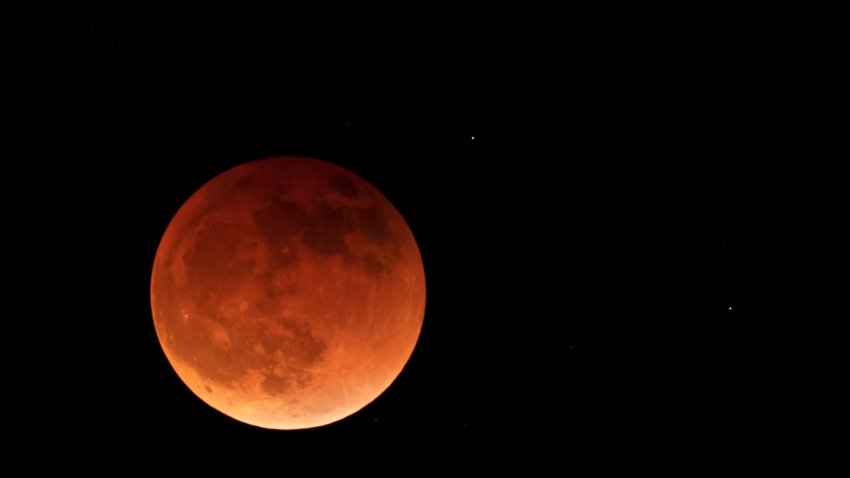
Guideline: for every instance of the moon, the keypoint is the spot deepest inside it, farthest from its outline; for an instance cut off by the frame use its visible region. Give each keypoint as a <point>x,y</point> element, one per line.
<point>288,293</point>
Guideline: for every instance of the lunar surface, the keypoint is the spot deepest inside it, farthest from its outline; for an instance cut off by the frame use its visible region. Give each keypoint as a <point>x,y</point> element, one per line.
<point>288,293</point>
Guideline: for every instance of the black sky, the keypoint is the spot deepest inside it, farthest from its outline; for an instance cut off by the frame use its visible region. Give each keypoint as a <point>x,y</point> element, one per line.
<point>626,231</point>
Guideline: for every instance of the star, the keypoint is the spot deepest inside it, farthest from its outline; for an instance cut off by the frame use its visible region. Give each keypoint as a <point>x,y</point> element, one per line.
<point>730,307</point>
<point>473,138</point>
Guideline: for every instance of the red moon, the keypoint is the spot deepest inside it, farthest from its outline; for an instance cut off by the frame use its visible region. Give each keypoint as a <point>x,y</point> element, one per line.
<point>288,293</point>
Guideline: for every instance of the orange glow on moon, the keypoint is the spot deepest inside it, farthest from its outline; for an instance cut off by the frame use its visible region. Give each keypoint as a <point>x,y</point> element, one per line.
<point>288,293</point>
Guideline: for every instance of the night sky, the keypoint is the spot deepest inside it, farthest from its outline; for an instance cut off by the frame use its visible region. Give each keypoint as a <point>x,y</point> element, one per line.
<point>627,233</point>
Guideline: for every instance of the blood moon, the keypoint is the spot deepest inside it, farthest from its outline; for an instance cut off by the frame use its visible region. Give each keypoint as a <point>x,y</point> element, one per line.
<point>288,293</point>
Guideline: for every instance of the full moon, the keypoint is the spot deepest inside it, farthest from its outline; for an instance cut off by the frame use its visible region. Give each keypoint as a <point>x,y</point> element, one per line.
<point>288,293</point>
